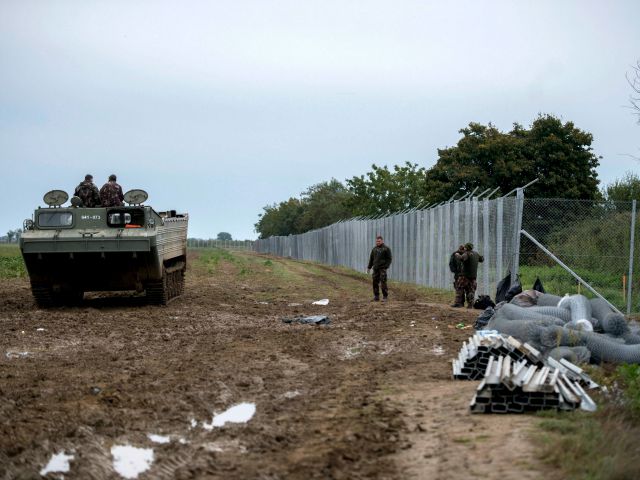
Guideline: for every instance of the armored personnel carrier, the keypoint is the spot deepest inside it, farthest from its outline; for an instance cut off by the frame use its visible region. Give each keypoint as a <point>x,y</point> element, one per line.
<point>70,250</point>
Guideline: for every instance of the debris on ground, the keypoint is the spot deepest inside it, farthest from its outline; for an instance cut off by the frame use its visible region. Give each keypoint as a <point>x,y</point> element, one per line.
<point>517,378</point>
<point>129,462</point>
<point>58,463</point>
<point>324,301</point>
<point>309,320</point>
<point>241,413</point>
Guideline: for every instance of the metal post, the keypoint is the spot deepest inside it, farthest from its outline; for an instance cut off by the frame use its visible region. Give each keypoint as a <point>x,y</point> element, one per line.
<point>485,246</point>
<point>519,213</point>
<point>499,228</point>
<point>631,255</point>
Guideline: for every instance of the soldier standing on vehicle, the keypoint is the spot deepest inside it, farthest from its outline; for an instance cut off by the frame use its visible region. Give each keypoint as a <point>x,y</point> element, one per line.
<point>379,260</point>
<point>455,266</point>
<point>111,193</point>
<point>88,192</point>
<point>466,283</point>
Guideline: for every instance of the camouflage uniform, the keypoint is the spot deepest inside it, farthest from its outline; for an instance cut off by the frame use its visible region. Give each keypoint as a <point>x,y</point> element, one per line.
<point>111,195</point>
<point>466,283</point>
<point>88,193</point>
<point>380,260</point>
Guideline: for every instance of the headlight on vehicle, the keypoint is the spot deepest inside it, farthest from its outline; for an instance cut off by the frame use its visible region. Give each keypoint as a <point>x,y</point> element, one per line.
<point>151,223</point>
<point>27,224</point>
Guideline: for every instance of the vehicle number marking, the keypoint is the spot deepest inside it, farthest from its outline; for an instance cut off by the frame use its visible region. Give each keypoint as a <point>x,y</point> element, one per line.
<point>90,217</point>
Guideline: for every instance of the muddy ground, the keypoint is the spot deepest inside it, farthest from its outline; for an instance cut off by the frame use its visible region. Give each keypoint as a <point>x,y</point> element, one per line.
<point>368,396</point>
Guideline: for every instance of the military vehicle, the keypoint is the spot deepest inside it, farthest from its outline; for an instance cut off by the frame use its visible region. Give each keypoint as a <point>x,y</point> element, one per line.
<point>70,250</point>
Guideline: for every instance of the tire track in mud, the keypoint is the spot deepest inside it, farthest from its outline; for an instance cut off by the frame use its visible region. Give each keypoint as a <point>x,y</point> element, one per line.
<point>333,402</point>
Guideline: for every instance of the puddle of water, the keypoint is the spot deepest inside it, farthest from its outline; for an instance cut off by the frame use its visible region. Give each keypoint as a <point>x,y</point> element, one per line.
<point>158,438</point>
<point>241,413</point>
<point>437,350</point>
<point>183,441</point>
<point>59,463</point>
<point>292,394</point>
<point>263,303</point>
<point>40,329</point>
<point>295,305</point>
<point>129,462</point>
<point>12,354</point>
<point>324,301</point>
<point>193,423</point>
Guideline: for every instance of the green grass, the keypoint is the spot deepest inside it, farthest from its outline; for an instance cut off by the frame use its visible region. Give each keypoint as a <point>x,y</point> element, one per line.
<point>11,263</point>
<point>601,445</point>
<point>212,258</point>
<point>558,281</point>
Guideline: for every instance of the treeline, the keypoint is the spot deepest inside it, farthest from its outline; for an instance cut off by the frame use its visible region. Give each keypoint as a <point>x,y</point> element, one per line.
<point>555,152</point>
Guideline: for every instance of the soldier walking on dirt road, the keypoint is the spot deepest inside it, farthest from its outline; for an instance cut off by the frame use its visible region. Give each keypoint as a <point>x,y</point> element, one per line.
<point>379,260</point>
<point>466,283</point>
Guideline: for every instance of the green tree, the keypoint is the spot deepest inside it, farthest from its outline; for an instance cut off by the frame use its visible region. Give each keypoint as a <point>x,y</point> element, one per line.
<point>280,219</point>
<point>626,188</point>
<point>224,236</point>
<point>323,204</point>
<point>386,191</point>
<point>557,153</point>
<point>483,158</point>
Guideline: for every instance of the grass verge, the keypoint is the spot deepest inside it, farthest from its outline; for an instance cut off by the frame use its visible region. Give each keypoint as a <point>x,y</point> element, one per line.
<point>603,445</point>
<point>11,263</point>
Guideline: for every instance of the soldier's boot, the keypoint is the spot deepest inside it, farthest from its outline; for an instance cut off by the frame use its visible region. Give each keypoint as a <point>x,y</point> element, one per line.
<point>459,300</point>
<point>470,298</point>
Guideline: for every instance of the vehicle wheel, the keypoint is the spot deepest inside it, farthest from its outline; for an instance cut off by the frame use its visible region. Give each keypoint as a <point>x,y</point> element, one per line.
<point>158,292</point>
<point>42,294</point>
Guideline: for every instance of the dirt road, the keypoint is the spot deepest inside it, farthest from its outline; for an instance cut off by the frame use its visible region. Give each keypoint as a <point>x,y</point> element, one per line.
<point>368,396</point>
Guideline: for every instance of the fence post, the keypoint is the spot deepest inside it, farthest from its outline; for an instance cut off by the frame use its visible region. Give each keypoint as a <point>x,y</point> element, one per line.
<point>631,255</point>
<point>485,245</point>
<point>519,213</point>
<point>499,228</point>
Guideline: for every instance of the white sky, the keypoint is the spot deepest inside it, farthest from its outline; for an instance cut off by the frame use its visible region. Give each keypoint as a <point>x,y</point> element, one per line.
<point>219,108</point>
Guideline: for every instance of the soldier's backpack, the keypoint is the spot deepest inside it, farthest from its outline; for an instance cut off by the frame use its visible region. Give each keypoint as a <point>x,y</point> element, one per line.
<point>453,263</point>
<point>84,192</point>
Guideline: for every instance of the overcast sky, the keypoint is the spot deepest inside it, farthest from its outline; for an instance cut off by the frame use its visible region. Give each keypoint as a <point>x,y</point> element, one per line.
<point>221,107</point>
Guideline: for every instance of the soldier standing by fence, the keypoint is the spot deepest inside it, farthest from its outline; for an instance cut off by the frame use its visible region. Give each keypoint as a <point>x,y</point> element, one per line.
<point>455,266</point>
<point>379,260</point>
<point>466,283</point>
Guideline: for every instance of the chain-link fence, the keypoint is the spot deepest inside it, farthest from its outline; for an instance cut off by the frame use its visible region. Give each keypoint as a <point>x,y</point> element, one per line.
<point>228,244</point>
<point>594,239</point>
<point>421,241</point>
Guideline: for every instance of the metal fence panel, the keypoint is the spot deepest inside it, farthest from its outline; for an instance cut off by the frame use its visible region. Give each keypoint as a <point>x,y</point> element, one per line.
<point>421,241</point>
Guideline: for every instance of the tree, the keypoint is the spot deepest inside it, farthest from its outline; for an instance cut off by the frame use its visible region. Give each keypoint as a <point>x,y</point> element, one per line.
<point>224,236</point>
<point>559,154</point>
<point>280,219</point>
<point>323,204</point>
<point>623,189</point>
<point>386,191</point>
<point>634,81</point>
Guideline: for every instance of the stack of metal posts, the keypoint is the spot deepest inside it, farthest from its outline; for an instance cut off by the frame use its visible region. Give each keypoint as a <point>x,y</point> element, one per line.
<point>516,379</point>
<point>475,354</point>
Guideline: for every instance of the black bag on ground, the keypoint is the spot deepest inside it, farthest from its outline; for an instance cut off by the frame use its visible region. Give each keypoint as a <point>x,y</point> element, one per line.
<point>503,288</point>
<point>538,285</point>
<point>483,318</point>
<point>483,302</point>
<point>515,289</point>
